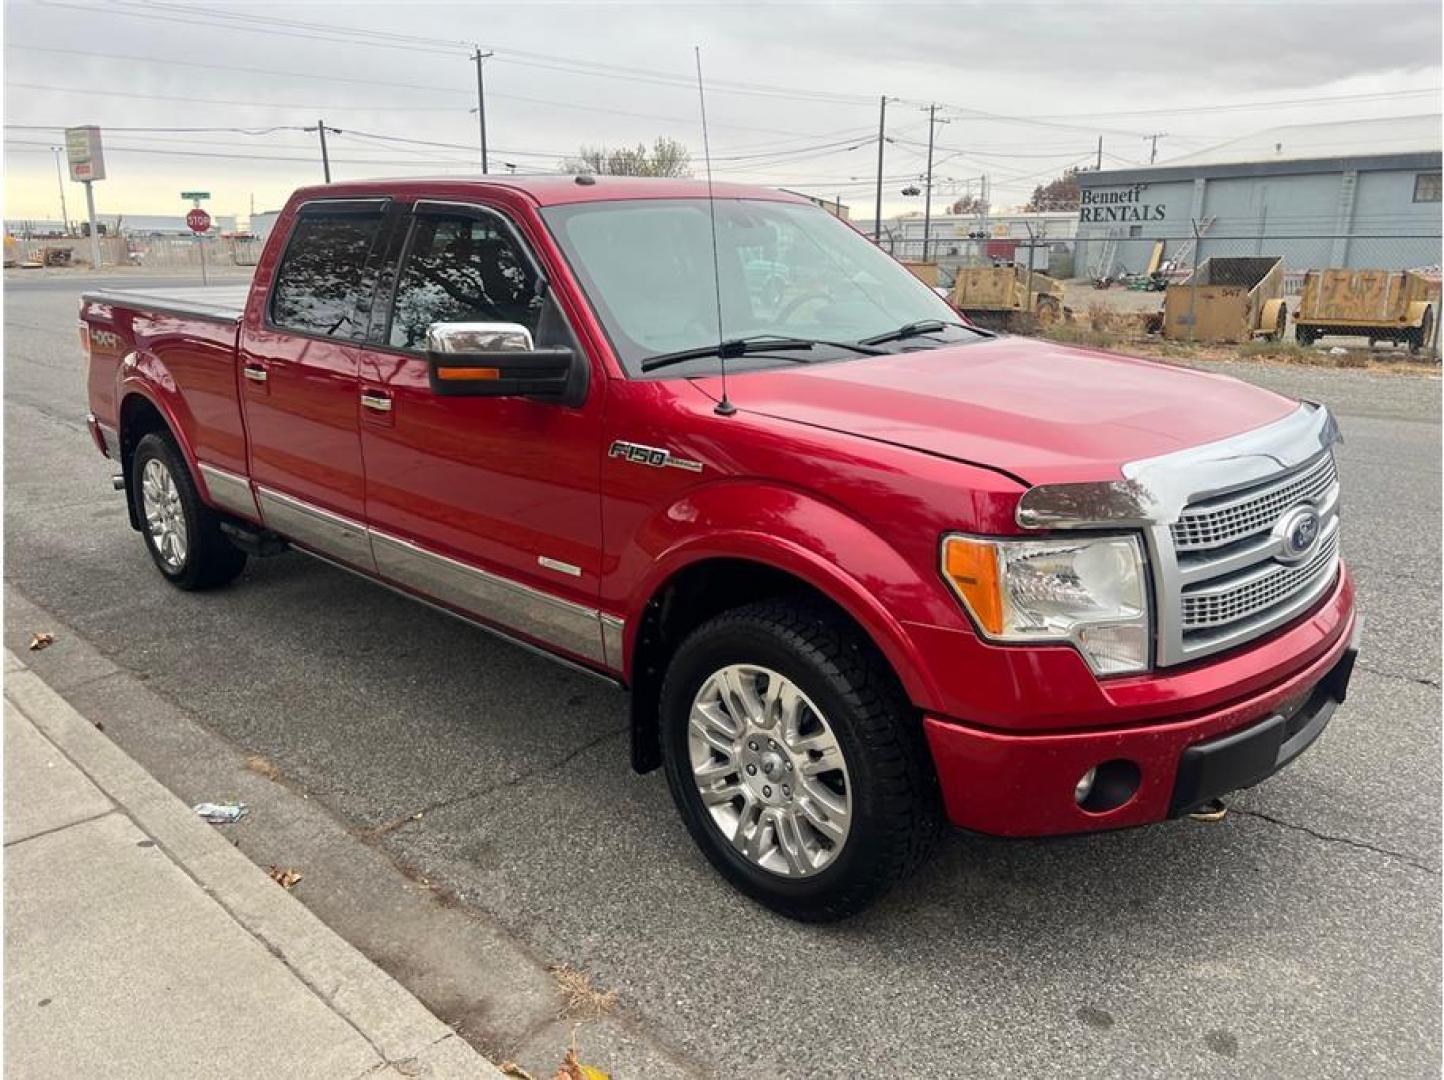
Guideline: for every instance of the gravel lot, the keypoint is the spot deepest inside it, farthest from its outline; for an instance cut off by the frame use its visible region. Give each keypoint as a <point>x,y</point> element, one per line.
<point>1299,937</point>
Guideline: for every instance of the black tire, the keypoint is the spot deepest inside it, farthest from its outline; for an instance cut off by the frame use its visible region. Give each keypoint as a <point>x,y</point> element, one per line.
<point>209,560</point>
<point>1305,335</point>
<point>1424,334</point>
<point>895,808</point>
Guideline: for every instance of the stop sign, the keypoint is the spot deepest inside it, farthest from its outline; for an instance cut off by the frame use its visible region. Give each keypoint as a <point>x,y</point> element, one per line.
<point>198,220</point>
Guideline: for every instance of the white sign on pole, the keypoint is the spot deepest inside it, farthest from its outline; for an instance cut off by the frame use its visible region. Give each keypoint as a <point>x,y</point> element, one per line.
<point>84,152</point>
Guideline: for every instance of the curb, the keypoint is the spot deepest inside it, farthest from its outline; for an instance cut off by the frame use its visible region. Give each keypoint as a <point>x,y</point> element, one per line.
<point>403,1032</point>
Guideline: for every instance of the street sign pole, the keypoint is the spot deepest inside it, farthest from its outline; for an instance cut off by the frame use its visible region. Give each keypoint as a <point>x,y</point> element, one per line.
<point>198,221</point>
<point>94,228</point>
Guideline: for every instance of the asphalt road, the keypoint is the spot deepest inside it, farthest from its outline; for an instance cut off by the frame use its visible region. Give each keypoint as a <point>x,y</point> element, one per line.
<point>1299,937</point>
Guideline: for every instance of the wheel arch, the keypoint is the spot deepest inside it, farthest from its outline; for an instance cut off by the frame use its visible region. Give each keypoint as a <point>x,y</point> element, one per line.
<point>695,585</point>
<point>140,414</point>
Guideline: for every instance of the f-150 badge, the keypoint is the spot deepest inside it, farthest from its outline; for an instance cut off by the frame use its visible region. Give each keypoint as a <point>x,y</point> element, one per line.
<point>650,455</point>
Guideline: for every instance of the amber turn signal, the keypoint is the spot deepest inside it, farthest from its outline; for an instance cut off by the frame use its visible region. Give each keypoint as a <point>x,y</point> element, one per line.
<point>468,374</point>
<point>971,566</point>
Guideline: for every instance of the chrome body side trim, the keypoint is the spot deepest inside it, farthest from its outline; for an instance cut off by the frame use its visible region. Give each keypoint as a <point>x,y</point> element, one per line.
<point>613,639</point>
<point>569,626</point>
<point>313,527</point>
<point>457,587</point>
<point>495,631</point>
<point>229,491</point>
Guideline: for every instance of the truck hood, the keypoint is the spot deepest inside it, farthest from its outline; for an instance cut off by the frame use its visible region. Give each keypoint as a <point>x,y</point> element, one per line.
<point>1041,412</point>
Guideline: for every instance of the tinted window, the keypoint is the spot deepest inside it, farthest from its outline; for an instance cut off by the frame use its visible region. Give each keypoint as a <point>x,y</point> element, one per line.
<point>462,269</point>
<point>324,284</point>
<point>1428,187</point>
<point>787,270</point>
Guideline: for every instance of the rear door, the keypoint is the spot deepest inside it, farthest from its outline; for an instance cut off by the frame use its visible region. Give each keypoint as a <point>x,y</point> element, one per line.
<point>300,359</point>
<point>490,505</point>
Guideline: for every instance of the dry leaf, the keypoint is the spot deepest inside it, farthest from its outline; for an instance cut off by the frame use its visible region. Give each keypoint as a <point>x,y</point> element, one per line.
<point>511,1068</point>
<point>41,640</point>
<point>284,877</point>
<point>257,764</point>
<point>572,1069</point>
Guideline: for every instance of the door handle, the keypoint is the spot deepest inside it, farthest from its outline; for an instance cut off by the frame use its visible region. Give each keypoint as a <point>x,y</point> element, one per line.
<point>376,399</point>
<point>255,372</point>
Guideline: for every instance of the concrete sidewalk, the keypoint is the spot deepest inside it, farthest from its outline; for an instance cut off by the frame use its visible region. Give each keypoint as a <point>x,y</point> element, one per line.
<point>140,943</point>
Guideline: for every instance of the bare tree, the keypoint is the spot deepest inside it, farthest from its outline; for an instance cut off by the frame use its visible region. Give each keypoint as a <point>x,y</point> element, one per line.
<point>667,157</point>
<point>969,204</point>
<point>1060,194</point>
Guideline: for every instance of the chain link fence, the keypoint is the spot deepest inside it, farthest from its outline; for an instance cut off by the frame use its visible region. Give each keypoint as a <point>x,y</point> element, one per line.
<point>165,252</point>
<point>1332,291</point>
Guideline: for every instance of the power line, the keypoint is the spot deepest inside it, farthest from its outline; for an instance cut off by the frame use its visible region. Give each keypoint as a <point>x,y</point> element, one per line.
<point>231,101</point>
<point>273,27</point>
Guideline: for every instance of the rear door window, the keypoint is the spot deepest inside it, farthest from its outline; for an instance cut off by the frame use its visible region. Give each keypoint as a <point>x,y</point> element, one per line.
<point>462,268</point>
<point>327,278</point>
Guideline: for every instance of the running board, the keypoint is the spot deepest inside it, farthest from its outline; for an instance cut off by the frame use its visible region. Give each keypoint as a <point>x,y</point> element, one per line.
<point>252,540</point>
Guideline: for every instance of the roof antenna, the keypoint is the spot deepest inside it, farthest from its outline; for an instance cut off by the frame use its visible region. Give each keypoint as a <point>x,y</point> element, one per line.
<point>725,406</point>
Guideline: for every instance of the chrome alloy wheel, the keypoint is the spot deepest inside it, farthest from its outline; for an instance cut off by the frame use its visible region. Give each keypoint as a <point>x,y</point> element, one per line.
<point>164,514</point>
<point>769,769</point>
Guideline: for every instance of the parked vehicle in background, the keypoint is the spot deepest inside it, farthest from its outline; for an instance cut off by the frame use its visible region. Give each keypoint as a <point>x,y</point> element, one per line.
<point>1234,299</point>
<point>1001,295</point>
<point>1382,305</point>
<point>887,567</point>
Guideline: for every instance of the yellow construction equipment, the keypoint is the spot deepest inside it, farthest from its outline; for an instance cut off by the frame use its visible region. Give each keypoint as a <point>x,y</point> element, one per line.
<point>1228,300</point>
<point>1381,305</point>
<point>999,295</point>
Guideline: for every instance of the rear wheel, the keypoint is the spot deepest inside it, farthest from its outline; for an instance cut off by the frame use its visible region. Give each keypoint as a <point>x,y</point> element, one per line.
<point>181,533</point>
<point>1423,334</point>
<point>1305,335</point>
<point>795,760</point>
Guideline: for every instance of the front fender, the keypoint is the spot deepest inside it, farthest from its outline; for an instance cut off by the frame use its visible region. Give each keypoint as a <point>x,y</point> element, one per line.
<point>802,535</point>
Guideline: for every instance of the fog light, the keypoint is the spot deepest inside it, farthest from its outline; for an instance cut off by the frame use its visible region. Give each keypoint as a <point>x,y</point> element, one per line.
<point>1084,787</point>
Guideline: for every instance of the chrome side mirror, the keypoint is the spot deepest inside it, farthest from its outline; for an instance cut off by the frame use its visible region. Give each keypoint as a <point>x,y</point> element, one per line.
<point>495,360</point>
<point>473,337</point>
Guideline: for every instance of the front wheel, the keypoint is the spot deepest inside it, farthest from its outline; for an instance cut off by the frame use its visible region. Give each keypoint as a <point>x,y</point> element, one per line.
<point>795,760</point>
<point>181,533</point>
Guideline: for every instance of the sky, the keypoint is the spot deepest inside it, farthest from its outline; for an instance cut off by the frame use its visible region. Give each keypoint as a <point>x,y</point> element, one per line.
<point>215,95</point>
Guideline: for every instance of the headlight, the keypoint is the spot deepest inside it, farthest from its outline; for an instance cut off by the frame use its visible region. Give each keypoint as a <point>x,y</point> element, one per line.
<point>1089,592</point>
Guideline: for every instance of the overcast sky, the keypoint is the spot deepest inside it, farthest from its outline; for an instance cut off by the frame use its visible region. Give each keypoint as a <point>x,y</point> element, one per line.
<point>1025,88</point>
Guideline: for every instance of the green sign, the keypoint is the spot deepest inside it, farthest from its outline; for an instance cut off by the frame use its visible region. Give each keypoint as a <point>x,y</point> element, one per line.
<point>195,194</point>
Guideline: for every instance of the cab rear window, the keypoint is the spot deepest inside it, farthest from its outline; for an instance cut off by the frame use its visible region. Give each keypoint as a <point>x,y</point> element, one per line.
<point>326,280</point>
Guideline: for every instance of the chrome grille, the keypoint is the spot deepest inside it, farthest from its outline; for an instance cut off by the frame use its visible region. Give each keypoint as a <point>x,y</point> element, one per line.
<point>1257,590</point>
<point>1233,517</point>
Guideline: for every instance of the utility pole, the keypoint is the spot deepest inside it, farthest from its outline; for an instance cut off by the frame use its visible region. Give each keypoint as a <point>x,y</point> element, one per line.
<point>321,129</point>
<point>928,196</point>
<point>1153,154</point>
<point>881,140</point>
<point>60,179</point>
<point>479,56</point>
<point>1099,166</point>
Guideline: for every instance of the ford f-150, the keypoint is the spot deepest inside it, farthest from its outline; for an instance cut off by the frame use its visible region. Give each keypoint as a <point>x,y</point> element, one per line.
<point>861,565</point>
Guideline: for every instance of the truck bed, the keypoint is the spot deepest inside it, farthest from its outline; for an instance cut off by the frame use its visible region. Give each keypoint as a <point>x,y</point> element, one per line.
<point>218,303</point>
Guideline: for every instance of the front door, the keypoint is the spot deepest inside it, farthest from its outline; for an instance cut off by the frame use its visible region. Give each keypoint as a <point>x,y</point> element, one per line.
<point>490,505</point>
<point>300,361</point>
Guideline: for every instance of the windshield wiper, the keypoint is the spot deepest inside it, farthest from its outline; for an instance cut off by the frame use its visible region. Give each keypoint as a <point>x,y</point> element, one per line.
<point>734,347</point>
<point>918,329</point>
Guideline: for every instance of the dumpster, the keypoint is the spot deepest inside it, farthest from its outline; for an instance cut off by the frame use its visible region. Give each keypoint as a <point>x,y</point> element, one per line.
<point>1381,305</point>
<point>1232,299</point>
<point>997,295</point>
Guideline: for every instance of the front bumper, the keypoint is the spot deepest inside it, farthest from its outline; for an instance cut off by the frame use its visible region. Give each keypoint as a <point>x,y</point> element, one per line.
<point>1023,784</point>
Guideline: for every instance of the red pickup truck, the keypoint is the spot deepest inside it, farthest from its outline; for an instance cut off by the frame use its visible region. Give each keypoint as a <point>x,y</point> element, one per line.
<point>885,568</point>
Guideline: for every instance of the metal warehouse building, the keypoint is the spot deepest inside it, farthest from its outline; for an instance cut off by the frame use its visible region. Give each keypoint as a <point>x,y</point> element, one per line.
<point>1347,194</point>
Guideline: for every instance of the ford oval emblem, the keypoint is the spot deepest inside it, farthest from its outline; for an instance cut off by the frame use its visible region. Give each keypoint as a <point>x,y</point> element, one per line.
<point>1298,532</point>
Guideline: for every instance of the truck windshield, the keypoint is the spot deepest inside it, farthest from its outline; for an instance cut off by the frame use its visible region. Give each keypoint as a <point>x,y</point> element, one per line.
<point>787,270</point>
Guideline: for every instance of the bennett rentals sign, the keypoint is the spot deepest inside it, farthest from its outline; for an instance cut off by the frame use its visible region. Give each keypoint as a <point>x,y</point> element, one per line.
<point>1119,204</point>
<point>83,151</point>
